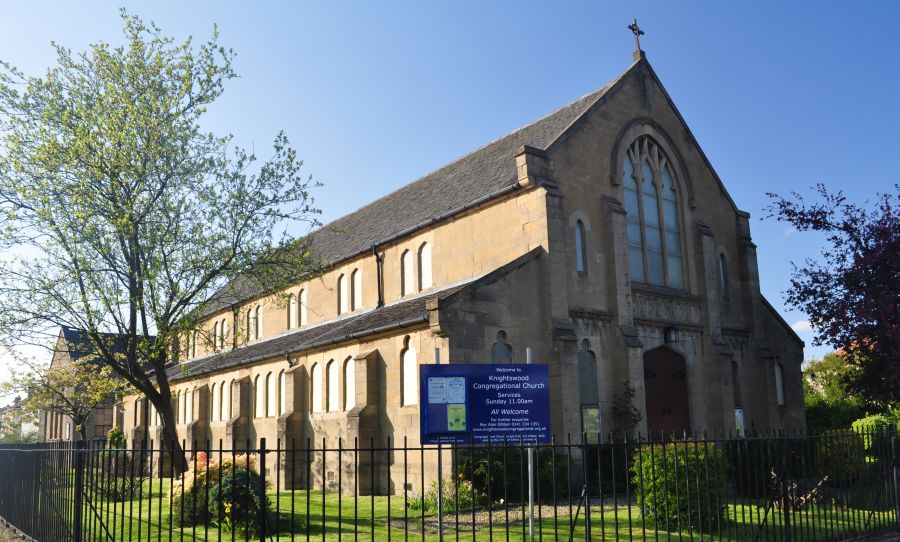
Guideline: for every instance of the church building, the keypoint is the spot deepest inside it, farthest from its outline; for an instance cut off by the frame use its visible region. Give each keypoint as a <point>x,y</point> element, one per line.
<point>598,236</point>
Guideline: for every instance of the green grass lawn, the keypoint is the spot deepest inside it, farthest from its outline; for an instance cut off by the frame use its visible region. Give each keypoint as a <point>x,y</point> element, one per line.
<point>382,518</point>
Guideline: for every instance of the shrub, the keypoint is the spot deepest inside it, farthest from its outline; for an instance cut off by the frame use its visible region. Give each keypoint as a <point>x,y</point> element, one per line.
<point>841,455</point>
<point>239,499</point>
<point>458,494</point>
<point>115,438</point>
<point>875,431</point>
<point>665,478</point>
<point>190,505</point>
<point>513,481</point>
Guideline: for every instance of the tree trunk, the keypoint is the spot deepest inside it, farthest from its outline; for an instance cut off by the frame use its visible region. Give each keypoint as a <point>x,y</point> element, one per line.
<point>170,443</point>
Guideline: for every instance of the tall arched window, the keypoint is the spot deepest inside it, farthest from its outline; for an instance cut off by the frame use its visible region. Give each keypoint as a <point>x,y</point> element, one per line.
<point>215,413</point>
<point>315,384</point>
<point>587,374</point>
<point>215,340</point>
<point>179,404</point>
<point>349,383</point>
<point>303,320</point>
<point>580,252</point>
<point>259,396</point>
<point>271,398</point>
<point>723,276</point>
<point>779,384</point>
<point>259,322</point>
<point>654,241</point>
<point>223,329</point>
<point>406,273</point>
<point>331,385</point>
<point>356,290</point>
<point>424,266</point>
<point>292,311</point>
<point>736,385</point>
<point>282,393</point>
<point>342,294</point>
<point>409,376</point>
<point>194,345</point>
<point>251,328</point>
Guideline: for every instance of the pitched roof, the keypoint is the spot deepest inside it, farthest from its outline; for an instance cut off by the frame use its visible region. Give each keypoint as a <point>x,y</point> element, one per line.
<point>397,315</point>
<point>479,175</point>
<point>78,344</point>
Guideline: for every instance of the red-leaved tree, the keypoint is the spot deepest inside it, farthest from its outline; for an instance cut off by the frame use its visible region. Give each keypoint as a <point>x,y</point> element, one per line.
<point>851,293</point>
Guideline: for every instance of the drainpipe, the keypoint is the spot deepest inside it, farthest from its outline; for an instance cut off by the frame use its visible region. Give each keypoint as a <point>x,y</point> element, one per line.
<point>379,266</point>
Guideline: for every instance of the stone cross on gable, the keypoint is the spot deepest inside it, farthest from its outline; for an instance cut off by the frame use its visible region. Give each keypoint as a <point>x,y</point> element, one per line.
<point>636,30</point>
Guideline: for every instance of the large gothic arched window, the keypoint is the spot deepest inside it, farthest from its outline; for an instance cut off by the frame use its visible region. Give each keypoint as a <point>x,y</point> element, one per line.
<point>654,241</point>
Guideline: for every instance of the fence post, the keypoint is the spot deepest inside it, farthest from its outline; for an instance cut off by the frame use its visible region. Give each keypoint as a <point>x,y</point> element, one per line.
<point>896,480</point>
<point>263,509</point>
<point>785,498</point>
<point>79,491</point>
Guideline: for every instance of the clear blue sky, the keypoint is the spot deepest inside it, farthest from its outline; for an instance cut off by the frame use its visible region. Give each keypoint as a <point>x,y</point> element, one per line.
<point>780,95</point>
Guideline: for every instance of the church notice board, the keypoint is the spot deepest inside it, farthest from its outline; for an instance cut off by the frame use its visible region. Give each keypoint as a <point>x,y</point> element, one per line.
<point>478,402</point>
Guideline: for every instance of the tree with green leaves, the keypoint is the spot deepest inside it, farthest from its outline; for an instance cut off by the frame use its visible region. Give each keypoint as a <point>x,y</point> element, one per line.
<point>121,216</point>
<point>827,396</point>
<point>72,389</point>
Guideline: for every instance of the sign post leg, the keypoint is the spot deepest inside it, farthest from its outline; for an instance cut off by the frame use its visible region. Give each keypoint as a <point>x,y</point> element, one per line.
<point>530,473</point>
<point>440,468</point>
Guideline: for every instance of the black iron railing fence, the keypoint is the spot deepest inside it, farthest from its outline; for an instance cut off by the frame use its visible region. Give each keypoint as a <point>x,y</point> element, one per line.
<point>761,488</point>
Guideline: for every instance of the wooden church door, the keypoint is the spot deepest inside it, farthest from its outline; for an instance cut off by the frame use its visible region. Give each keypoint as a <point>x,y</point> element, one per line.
<point>665,385</point>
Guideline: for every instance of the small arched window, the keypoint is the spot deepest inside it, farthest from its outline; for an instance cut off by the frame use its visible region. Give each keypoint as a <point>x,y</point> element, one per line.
<point>315,384</point>
<point>356,301</point>
<point>188,406</point>
<point>179,402</point>
<point>282,393</point>
<point>331,385</point>
<point>407,282</point>
<point>349,383</point>
<point>408,375</point>
<point>654,239</point>
<point>580,252</point>
<point>259,396</point>
<point>271,397</point>
<point>292,311</point>
<point>225,405</point>
<point>342,294</point>
<point>723,276</point>
<point>303,319</point>
<point>215,412</point>
<point>424,266</point>
<point>259,322</point>
<point>587,374</point>
<point>501,351</point>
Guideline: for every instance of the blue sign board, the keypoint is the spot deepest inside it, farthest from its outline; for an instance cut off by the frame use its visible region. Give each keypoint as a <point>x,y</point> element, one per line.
<point>478,402</point>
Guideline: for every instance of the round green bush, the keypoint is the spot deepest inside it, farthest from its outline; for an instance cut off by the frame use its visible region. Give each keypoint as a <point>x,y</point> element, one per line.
<point>665,478</point>
<point>239,499</point>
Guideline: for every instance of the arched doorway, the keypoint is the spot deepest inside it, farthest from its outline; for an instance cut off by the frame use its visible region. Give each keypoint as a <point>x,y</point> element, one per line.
<point>665,385</point>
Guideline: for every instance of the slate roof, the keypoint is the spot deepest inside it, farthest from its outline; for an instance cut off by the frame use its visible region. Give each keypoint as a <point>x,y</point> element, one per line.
<point>396,315</point>
<point>479,175</point>
<point>78,345</point>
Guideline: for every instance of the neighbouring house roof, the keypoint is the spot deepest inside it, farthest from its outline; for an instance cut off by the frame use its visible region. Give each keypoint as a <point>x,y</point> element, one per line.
<point>77,345</point>
<point>478,176</point>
